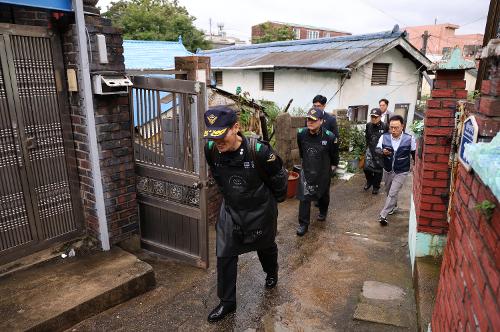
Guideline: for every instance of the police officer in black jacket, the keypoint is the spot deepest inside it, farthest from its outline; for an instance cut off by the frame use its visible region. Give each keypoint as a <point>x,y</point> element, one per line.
<point>373,161</point>
<point>318,150</point>
<point>252,180</point>
<point>329,121</point>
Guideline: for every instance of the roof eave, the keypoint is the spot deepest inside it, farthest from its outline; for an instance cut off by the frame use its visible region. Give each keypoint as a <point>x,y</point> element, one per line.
<point>274,67</point>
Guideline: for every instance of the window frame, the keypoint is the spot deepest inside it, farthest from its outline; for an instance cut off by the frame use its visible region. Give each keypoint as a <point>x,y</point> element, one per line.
<point>221,78</point>
<point>263,75</point>
<point>375,81</point>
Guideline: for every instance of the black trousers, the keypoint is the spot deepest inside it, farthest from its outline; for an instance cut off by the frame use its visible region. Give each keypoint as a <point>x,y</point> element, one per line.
<point>373,178</point>
<point>305,208</point>
<point>227,270</point>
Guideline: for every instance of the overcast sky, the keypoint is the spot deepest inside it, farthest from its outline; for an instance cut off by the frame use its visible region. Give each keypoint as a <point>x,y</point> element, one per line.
<point>355,16</point>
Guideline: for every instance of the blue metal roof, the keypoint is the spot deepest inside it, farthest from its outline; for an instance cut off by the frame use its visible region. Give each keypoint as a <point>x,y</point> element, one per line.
<point>335,53</point>
<point>151,54</point>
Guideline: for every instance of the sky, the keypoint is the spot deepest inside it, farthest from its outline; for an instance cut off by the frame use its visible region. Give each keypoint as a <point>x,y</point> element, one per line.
<point>355,16</point>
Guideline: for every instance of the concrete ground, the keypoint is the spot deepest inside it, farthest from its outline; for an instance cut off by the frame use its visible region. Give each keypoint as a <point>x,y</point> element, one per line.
<point>345,267</point>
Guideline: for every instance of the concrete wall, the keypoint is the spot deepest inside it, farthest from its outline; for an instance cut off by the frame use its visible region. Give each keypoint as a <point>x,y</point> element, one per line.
<point>303,85</point>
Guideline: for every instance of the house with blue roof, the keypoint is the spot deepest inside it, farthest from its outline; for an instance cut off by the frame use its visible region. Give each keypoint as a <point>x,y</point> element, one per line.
<point>354,72</point>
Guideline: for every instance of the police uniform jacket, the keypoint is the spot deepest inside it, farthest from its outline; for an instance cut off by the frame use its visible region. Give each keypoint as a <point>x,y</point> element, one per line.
<point>318,153</point>
<point>251,190</point>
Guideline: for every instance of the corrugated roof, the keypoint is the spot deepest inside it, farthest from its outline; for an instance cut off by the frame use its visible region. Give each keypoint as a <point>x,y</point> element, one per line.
<point>149,54</point>
<point>334,54</point>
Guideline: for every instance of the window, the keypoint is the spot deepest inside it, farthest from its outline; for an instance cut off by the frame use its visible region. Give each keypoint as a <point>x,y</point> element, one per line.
<point>446,50</point>
<point>297,33</point>
<point>380,72</point>
<point>218,78</point>
<point>327,35</point>
<point>358,113</point>
<point>267,79</point>
<point>402,109</point>
<point>312,34</point>
<point>471,50</point>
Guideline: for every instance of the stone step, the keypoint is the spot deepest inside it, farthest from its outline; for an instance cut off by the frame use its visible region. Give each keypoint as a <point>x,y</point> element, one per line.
<point>62,292</point>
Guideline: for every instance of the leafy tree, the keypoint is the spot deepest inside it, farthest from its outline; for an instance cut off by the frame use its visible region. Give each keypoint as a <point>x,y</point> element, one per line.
<point>272,33</point>
<point>156,20</point>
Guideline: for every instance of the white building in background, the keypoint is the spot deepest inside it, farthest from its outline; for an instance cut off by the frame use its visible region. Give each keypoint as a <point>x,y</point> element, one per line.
<point>351,71</point>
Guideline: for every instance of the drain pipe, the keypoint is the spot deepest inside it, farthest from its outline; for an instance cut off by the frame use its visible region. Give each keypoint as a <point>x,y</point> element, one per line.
<point>87,103</point>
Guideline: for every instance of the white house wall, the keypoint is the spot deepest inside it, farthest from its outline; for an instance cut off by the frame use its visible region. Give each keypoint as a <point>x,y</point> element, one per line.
<point>401,87</point>
<point>303,85</point>
<point>299,84</point>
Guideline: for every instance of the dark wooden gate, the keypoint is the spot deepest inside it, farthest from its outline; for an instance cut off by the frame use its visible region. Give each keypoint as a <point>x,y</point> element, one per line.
<point>39,202</point>
<point>171,184</point>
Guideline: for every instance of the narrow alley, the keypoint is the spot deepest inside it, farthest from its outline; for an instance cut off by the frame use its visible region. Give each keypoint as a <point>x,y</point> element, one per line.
<point>320,284</point>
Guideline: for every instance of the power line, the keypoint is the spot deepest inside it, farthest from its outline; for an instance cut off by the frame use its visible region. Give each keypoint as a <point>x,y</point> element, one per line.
<point>380,10</point>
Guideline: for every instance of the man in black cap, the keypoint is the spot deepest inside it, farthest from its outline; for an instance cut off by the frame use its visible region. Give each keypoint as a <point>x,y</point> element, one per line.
<point>373,161</point>
<point>329,121</point>
<point>252,180</point>
<point>318,150</point>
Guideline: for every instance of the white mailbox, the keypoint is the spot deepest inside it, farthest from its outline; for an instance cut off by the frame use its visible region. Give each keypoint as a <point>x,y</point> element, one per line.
<point>111,84</point>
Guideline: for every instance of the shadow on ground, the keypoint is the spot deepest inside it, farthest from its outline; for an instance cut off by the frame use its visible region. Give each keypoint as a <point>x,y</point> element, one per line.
<point>321,277</point>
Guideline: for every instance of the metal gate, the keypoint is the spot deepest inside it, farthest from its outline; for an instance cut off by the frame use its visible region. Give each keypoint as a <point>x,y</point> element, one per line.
<point>170,166</point>
<point>39,202</point>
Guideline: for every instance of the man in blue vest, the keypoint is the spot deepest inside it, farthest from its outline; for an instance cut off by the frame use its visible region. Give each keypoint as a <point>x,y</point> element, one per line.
<point>396,148</point>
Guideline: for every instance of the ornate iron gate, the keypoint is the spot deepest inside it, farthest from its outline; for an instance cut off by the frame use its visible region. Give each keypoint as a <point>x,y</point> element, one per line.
<point>39,202</point>
<point>170,167</point>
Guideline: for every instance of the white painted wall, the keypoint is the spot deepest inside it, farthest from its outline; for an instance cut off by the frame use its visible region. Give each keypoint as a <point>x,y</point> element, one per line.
<point>470,84</point>
<point>303,85</point>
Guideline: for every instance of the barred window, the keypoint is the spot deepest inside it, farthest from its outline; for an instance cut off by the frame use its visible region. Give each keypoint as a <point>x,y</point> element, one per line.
<point>267,79</point>
<point>380,73</point>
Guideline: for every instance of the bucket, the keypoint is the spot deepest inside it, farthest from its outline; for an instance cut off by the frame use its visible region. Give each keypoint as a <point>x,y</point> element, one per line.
<point>293,179</point>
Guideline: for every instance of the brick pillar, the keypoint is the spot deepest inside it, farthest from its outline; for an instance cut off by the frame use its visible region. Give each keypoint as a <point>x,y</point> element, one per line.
<point>488,114</point>
<point>195,66</point>
<point>431,185</point>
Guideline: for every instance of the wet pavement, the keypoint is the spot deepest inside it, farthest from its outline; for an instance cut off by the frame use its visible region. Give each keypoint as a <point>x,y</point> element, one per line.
<point>320,284</point>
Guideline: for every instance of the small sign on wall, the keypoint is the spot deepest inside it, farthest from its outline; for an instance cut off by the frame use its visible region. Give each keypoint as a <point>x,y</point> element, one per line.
<point>469,135</point>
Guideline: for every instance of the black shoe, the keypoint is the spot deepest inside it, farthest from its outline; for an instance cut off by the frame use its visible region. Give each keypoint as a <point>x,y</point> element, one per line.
<point>367,186</point>
<point>375,191</point>
<point>221,311</point>
<point>301,230</point>
<point>271,281</point>
<point>383,221</point>
<point>321,217</point>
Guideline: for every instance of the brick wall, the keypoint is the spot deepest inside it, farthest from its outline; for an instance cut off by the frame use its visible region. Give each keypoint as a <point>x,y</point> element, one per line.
<point>257,31</point>
<point>432,171</point>
<point>468,296</point>
<point>468,292</point>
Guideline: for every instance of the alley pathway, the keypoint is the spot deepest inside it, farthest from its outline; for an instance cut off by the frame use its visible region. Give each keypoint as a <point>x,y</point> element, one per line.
<point>320,285</point>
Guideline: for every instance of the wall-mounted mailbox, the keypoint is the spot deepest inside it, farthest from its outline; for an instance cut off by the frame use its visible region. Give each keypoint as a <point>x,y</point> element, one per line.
<point>111,84</point>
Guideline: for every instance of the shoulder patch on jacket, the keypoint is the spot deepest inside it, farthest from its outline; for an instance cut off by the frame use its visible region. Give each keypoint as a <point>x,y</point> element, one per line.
<point>258,146</point>
<point>300,130</point>
<point>329,133</point>
<point>210,144</point>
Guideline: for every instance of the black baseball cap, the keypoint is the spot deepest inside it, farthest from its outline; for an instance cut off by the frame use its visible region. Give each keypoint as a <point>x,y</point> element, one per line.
<point>375,112</point>
<point>218,120</point>
<point>315,114</point>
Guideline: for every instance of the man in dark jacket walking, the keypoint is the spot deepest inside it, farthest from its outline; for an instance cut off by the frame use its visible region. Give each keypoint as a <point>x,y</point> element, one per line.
<point>318,150</point>
<point>252,180</point>
<point>374,161</point>
<point>396,148</point>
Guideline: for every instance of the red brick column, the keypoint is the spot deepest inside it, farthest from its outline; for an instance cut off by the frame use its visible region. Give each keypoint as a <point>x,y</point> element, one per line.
<point>432,174</point>
<point>468,296</point>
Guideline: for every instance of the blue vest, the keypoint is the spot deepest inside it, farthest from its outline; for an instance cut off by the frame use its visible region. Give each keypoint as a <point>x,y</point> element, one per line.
<point>399,162</point>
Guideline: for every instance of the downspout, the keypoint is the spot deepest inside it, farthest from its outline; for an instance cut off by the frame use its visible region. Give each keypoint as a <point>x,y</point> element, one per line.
<point>87,103</point>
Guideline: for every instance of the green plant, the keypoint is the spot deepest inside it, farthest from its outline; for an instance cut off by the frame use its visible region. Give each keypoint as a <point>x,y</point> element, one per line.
<point>297,111</point>
<point>486,208</point>
<point>473,95</point>
<point>417,127</point>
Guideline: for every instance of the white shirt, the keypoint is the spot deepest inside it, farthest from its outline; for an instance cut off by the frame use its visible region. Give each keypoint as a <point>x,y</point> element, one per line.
<point>386,116</point>
<point>396,142</point>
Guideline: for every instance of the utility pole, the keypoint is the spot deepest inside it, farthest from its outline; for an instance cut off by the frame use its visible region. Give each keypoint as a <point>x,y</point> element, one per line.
<point>210,23</point>
<point>425,37</point>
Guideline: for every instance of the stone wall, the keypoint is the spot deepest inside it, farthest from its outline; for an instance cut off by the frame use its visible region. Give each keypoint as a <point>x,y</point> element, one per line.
<point>286,138</point>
